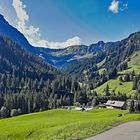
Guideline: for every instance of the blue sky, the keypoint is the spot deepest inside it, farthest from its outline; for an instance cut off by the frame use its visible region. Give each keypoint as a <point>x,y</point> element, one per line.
<point>60,23</point>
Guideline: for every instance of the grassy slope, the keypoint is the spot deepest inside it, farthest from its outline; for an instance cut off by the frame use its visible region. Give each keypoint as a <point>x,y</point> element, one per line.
<point>134,64</point>
<point>115,84</point>
<point>62,124</point>
<point>123,87</point>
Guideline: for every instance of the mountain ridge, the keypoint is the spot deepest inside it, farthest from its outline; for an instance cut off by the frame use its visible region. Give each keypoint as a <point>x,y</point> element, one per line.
<point>59,58</point>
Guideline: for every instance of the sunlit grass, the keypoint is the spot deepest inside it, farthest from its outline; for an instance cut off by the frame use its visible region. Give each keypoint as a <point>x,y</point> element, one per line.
<point>117,86</point>
<point>62,124</point>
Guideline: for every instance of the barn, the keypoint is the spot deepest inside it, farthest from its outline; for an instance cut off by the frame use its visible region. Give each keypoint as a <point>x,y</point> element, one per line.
<point>115,104</point>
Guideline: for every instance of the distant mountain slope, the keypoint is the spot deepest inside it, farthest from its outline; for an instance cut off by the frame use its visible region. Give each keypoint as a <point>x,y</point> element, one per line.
<point>64,58</point>
<point>107,59</point>
<point>7,30</point>
<point>121,86</point>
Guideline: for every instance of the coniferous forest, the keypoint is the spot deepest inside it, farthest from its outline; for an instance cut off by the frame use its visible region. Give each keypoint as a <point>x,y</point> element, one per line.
<point>28,84</point>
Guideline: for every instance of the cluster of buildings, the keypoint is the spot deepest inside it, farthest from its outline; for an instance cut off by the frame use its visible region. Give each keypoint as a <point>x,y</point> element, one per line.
<point>111,104</point>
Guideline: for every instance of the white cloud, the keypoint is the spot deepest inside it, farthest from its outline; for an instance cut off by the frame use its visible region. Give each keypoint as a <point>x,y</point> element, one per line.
<point>33,33</point>
<point>114,7</point>
<point>20,11</point>
<point>117,6</point>
<point>3,12</point>
<point>56,45</point>
<point>70,42</point>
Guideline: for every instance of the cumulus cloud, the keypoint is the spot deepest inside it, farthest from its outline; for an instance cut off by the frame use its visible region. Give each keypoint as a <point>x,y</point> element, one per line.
<point>114,7</point>
<point>33,33</point>
<point>117,6</point>
<point>70,42</point>
<point>56,45</point>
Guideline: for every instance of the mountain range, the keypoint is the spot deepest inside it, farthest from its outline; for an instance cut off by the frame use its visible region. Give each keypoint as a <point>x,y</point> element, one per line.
<point>60,58</point>
<point>35,78</point>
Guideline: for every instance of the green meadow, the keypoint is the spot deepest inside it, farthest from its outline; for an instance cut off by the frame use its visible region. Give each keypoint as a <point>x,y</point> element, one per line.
<point>62,124</point>
<point>116,84</point>
<point>133,64</point>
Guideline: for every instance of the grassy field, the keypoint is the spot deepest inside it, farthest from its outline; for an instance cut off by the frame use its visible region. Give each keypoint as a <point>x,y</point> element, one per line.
<point>115,84</point>
<point>133,64</point>
<point>123,87</point>
<point>62,124</point>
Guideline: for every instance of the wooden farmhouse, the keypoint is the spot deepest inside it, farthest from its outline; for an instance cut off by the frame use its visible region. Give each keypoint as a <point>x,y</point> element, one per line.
<point>115,104</point>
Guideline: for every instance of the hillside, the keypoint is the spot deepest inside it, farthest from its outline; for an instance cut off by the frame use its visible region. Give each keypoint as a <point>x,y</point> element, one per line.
<point>104,66</point>
<point>119,86</point>
<point>68,124</point>
<point>28,83</point>
<point>15,62</point>
<point>9,31</point>
<point>133,63</point>
<point>116,86</point>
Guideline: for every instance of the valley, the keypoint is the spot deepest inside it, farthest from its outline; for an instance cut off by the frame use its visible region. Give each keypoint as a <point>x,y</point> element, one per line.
<point>64,82</point>
<point>35,79</point>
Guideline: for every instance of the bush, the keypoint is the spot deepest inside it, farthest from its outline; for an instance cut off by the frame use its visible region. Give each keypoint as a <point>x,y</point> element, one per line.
<point>4,113</point>
<point>14,112</point>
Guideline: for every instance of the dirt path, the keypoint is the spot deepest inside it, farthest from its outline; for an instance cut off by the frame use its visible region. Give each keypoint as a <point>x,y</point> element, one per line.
<point>127,131</point>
